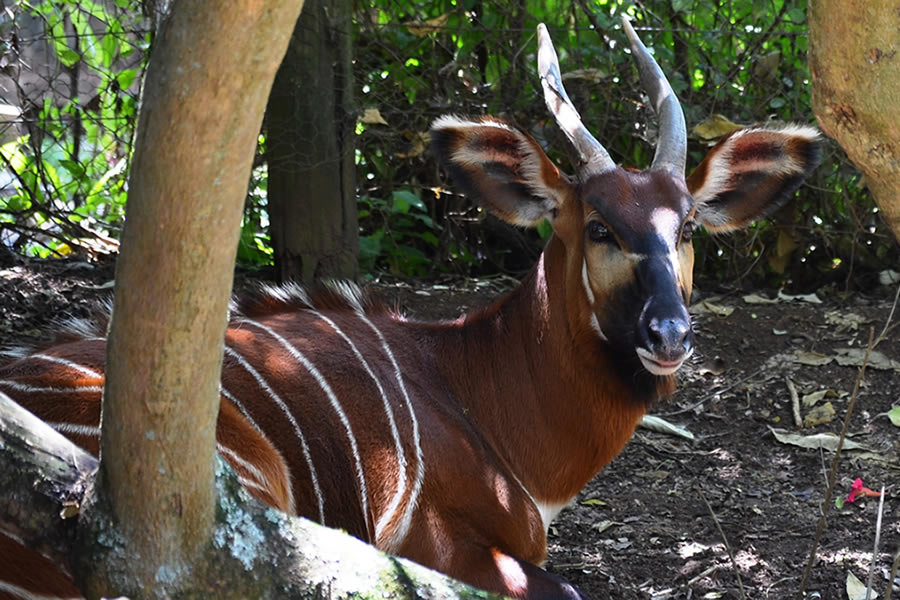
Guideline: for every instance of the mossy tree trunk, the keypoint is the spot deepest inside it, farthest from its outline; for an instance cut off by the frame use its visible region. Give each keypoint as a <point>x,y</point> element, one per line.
<point>310,124</point>
<point>854,58</point>
<point>203,100</point>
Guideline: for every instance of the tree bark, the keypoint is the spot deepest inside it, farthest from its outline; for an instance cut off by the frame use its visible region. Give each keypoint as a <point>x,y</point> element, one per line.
<point>203,100</point>
<point>855,67</point>
<point>310,132</point>
<point>255,551</point>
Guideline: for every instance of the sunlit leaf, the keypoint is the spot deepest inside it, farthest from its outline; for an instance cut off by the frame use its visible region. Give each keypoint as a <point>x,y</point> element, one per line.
<point>372,116</point>
<point>714,127</point>
<point>423,28</point>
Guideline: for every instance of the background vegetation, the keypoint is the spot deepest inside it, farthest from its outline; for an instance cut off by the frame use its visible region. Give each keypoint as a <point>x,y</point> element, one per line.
<point>71,71</point>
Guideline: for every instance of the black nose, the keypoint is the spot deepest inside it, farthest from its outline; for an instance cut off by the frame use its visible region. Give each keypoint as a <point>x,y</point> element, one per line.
<point>669,338</point>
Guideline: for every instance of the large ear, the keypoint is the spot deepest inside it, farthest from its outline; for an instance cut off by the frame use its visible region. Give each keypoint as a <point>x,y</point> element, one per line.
<point>751,173</point>
<point>501,168</point>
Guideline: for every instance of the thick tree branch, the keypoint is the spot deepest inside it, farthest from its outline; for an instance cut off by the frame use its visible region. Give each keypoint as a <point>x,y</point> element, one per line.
<point>255,551</point>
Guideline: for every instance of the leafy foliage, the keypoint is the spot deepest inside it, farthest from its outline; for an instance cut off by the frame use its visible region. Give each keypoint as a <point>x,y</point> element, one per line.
<point>731,63</point>
<point>67,169</point>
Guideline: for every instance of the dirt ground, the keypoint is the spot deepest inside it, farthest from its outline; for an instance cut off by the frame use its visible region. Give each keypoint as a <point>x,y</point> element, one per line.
<point>654,523</point>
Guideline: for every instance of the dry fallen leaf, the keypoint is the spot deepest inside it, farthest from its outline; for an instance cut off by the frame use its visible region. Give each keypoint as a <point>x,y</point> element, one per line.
<point>813,359</point>
<point>856,589</point>
<point>809,400</point>
<point>854,357</point>
<point>888,277</point>
<point>708,307</point>
<point>603,525</point>
<point>662,426</point>
<point>593,502</point>
<point>844,322</point>
<point>827,441</point>
<point>811,298</point>
<point>757,299</point>
<point>819,415</point>
<point>418,141</point>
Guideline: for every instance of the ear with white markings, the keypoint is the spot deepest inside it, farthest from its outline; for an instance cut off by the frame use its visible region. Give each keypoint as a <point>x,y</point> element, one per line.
<point>501,168</point>
<point>751,173</point>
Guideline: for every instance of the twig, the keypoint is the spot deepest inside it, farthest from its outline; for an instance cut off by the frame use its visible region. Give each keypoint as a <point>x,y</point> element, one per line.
<point>877,543</point>
<point>700,576</point>
<point>734,565</point>
<point>795,402</point>
<point>711,395</point>
<point>893,575</point>
<point>887,323</point>
<point>832,475</point>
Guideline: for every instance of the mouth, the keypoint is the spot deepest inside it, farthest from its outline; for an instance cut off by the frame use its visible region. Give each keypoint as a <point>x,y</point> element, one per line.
<point>658,366</point>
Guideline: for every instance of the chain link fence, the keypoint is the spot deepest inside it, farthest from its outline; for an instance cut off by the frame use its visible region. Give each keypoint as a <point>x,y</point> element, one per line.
<point>69,80</point>
<point>70,75</point>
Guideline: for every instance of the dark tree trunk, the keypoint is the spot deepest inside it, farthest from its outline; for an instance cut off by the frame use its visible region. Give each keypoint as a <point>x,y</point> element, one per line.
<point>310,127</point>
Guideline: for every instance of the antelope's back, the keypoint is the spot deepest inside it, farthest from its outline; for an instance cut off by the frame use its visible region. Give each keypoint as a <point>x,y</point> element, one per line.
<point>328,403</point>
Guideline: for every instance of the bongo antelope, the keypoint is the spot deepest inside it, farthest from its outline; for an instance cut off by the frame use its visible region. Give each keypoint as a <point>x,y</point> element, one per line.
<point>456,443</point>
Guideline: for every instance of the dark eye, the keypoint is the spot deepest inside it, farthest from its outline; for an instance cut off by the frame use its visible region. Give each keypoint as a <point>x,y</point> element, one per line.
<point>597,231</point>
<point>687,231</point>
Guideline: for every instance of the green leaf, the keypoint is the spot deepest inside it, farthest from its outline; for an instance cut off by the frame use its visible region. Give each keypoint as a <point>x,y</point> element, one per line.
<point>403,199</point>
<point>67,56</point>
<point>894,415</point>
<point>126,77</point>
<point>777,102</point>
<point>109,47</point>
<point>545,229</point>
<point>593,502</point>
<point>370,245</point>
<point>73,167</point>
<point>429,238</point>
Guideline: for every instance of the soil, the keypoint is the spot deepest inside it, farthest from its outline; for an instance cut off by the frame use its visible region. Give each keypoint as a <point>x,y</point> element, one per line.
<point>673,517</point>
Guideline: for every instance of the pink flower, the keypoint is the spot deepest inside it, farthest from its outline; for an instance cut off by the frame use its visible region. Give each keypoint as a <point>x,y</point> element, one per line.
<point>858,489</point>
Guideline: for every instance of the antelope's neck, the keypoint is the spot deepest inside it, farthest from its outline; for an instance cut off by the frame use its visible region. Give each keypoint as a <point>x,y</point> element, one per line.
<point>550,400</point>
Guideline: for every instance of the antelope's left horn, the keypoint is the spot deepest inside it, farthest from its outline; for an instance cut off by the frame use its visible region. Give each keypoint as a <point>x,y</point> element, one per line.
<point>671,149</point>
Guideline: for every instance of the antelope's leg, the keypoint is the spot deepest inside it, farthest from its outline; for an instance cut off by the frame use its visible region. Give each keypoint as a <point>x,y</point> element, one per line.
<point>495,571</point>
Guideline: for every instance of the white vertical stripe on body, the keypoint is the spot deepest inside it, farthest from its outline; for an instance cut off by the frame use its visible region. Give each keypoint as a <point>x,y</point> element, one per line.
<point>399,533</point>
<point>335,404</point>
<point>388,513</point>
<point>280,403</point>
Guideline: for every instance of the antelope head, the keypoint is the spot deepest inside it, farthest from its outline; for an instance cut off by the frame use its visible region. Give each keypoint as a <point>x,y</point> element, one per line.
<point>626,234</point>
